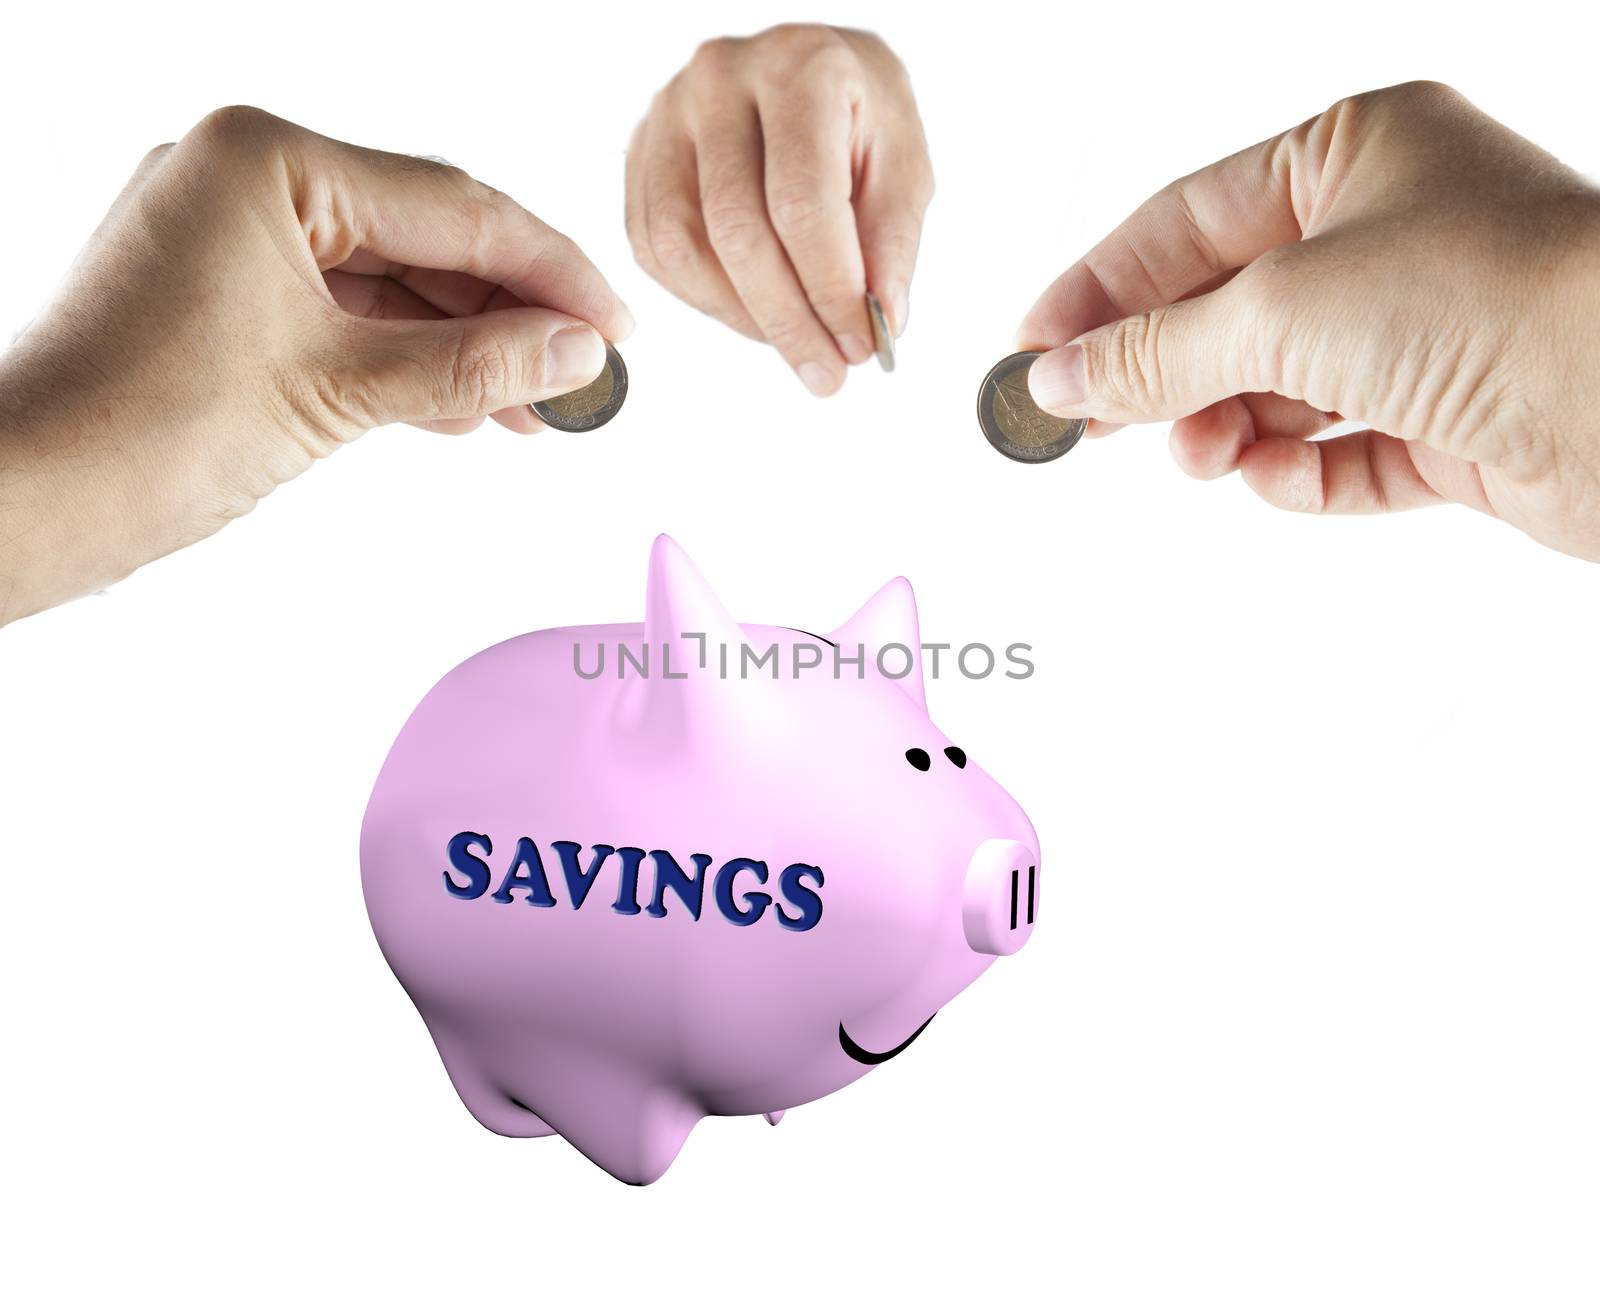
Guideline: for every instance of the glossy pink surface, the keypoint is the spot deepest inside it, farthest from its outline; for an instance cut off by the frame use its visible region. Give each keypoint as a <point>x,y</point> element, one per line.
<point>619,1029</point>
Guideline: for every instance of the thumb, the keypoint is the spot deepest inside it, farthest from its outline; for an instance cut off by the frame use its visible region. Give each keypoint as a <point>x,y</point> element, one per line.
<point>1163,364</point>
<point>414,370</point>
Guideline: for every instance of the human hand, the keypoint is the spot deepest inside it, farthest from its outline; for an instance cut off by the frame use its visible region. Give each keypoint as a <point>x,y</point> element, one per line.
<point>257,296</point>
<point>775,181</point>
<point>1401,258</point>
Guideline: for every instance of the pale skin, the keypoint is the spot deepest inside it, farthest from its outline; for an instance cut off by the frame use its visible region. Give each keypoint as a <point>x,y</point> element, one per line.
<point>258,296</point>
<point>1401,259</point>
<point>775,181</point>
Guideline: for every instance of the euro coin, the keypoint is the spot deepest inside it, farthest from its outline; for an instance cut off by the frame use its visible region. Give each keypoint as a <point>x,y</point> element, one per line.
<point>591,405</point>
<point>1014,425</point>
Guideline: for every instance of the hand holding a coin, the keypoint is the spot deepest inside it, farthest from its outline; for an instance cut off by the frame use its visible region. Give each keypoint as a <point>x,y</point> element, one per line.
<point>258,296</point>
<point>777,181</point>
<point>1401,259</point>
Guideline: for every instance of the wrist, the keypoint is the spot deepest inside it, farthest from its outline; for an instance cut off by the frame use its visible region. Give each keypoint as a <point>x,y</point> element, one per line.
<point>82,498</point>
<point>1572,343</point>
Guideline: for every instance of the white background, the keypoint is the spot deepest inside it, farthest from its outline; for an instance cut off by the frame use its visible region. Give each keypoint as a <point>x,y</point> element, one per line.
<point>1310,1020</point>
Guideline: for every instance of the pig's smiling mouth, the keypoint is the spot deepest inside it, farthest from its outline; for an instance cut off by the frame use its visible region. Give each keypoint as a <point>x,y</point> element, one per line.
<point>866,1056</point>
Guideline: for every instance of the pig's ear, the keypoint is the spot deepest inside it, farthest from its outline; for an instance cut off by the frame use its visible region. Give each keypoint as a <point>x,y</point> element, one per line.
<point>685,628</point>
<point>889,619</point>
<point>678,601</point>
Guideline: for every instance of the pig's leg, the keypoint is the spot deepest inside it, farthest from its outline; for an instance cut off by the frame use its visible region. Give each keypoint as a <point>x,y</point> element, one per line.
<point>521,1123</point>
<point>494,1103</point>
<point>631,1130</point>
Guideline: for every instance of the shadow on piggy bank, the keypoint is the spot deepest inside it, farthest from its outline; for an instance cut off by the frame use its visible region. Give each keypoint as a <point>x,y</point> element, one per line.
<point>634,875</point>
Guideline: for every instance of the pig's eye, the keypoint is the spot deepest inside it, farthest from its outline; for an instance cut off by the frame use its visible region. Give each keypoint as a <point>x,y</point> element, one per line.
<point>918,758</point>
<point>958,758</point>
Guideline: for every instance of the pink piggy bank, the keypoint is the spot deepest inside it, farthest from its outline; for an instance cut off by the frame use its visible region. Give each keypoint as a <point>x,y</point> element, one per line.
<point>634,875</point>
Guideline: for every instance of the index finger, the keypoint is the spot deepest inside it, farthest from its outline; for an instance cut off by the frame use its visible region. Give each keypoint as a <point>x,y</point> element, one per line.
<point>432,215</point>
<point>1191,232</point>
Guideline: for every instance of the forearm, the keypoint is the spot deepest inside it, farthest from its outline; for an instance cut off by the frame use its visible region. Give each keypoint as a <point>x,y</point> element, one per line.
<point>84,498</point>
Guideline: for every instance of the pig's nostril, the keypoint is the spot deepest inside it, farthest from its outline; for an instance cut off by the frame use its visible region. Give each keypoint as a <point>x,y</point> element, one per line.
<point>1001,897</point>
<point>1016,881</point>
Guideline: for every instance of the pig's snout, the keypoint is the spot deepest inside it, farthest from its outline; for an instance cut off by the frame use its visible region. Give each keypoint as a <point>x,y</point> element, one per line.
<point>1001,897</point>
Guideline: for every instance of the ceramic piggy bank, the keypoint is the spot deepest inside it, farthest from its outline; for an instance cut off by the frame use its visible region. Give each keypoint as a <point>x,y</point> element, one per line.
<point>633,875</point>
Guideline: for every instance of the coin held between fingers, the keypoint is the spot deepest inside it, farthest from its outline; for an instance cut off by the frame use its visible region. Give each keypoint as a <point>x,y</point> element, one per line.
<point>592,405</point>
<point>1060,381</point>
<point>1012,421</point>
<point>882,338</point>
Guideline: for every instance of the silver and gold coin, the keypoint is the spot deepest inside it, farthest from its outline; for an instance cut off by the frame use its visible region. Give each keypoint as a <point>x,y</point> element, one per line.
<point>591,405</point>
<point>1014,425</point>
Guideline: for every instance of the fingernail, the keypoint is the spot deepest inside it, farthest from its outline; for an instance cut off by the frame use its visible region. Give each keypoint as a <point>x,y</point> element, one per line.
<point>853,348</point>
<point>1058,380</point>
<point>817,379</point>
<point>899,308</point>
<point>573,357</point>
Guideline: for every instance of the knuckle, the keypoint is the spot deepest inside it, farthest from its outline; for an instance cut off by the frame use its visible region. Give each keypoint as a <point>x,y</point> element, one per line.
<point>860,38</point>
<point>796,205</point>
<point>809,60</point>
<point>1399,105</point>
<point>476,372</point>
<point>794,34</point>
<point>734,228</point>
<point>1126,368</point>
<point>787,329</point>
<point>820,66</point>
<point>813,42</point>
<point>1426,94</point>
<point>457,179</point>
<point>236,127</point>
<point>896,247</point>
<point>555,249</point>
<point>712,58</point>
<point>481,206</point>
<point>1350,114</point>
<point>474,225</point>
<point>836,306</point>
<point>1269,284</point>
<point>487,221</point>
<point>832,60</point>
<point>669,244</point>
<point>829,60</point>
